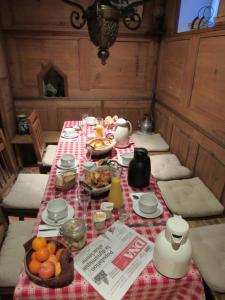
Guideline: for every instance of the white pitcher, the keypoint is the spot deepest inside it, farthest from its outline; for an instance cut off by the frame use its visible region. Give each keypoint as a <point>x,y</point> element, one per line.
<point>122,133</point>
<point>172,251</point>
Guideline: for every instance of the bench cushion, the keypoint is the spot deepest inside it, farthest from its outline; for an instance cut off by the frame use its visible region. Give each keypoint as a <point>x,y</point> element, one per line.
<point>208,244</point>
<point>190,198</point>
<point>12,251</point>
<point>27,191</point>
<point>151,142</point>
<point>49,155</point>
<point>168,167</point>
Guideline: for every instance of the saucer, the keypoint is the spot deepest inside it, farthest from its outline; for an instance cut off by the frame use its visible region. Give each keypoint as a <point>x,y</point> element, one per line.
<point>48,221</point>
<point>59,165</point>
<point>69,137</point>
<point>156,214</point>
<point>120,161</point>
<point>91,121</point>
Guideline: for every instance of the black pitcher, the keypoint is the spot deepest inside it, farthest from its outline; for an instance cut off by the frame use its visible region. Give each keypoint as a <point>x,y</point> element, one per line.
<point>139,169</point>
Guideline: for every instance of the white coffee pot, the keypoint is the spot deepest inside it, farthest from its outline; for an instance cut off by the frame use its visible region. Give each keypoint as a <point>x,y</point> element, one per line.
<point>172,251</point>
<point>123,129</point>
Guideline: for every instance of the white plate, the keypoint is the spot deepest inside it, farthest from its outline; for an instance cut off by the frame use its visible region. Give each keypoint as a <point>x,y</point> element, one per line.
<point>156,214</point>
<point>76,163</point>
<point>69,137</point>
<point>48,221</point>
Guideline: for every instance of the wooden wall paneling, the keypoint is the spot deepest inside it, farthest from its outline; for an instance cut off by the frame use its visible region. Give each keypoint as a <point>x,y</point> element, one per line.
<point>172,10</point>
<point>198,152</point>
<point>163,123</point>
<point>220,19</point>
<point>172,72</point>
<point>126,70</point>
<point>85,62</point>
<point>207,100</point>
<point>73,110</point>
<point>131,110</point>
<point>211,171</point>
<point>28,56</point>
<point>54,15</point>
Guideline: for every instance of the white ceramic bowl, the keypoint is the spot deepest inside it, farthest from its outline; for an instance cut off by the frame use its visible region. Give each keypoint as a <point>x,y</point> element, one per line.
<point>67,160</point>
<point>91,120</point>
<point>127,157</point>
<point>57,209</point>
<point>148,203</point>
<point>102,150</point>
<point>69,132</point>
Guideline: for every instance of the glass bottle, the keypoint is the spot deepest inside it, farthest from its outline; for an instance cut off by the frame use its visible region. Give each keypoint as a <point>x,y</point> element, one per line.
<point>116,193</point>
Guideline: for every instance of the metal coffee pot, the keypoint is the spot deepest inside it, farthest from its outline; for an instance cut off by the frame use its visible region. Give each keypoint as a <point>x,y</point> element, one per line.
<point>146,124</point>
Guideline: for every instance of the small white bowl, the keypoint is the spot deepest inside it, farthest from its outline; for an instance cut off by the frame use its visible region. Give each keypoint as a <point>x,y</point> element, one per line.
<point>127,157</point>
<point>148,203</point>
<point>67,160</point>
<point>57,209</point>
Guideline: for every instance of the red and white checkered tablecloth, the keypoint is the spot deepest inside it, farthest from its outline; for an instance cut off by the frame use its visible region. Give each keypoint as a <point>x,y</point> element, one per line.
<point>150,284</point>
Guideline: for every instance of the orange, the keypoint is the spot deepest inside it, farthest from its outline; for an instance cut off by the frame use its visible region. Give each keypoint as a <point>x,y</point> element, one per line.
<point>59,252</point>
<point>33,256</point>
<point>34,266</point>
<point>51,247</point>
<point>42,254</point>
<point>38,243</point>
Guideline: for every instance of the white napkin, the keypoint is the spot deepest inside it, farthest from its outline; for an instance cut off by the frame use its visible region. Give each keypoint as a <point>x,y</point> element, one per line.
<point>48,231</point>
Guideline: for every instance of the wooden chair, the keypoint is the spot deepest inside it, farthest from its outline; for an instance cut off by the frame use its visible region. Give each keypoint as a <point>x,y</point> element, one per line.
<point>45,155</point>
<point>21,194</point>
<point>12,238</point>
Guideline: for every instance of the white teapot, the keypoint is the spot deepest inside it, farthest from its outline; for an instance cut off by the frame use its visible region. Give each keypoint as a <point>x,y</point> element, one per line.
<point>123,129</point>
<point>172,251</point>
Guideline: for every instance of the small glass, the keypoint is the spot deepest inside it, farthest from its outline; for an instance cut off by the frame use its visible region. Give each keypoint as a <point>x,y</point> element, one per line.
<point>84,198</point>
<point>84,121</point>
<point>123,214</point>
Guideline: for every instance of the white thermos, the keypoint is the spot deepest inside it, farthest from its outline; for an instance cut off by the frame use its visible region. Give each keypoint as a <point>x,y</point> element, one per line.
<point>172,252</point>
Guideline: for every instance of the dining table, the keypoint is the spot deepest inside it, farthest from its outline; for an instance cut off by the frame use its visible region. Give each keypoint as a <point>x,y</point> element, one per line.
<point>150,284</point>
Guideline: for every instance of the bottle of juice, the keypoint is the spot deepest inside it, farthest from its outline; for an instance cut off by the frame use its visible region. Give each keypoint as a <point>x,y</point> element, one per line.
<point>116,193</point>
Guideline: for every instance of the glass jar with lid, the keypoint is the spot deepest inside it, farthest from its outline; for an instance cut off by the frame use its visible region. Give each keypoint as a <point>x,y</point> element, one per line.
<point>74,233</point>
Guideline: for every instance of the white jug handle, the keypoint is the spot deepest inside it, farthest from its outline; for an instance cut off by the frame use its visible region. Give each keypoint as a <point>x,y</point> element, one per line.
<point>177,240</point>
<point>130,125</point>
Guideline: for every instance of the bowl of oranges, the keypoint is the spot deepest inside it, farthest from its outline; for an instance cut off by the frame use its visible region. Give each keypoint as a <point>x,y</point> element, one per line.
<point>48,262</point>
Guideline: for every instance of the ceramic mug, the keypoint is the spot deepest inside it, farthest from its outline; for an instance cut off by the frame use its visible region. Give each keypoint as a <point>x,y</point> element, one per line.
<point>126,157</point>
<point>67,160</point>
<point>57,209</point>
<point>69,132</point>
<point>148,203</point>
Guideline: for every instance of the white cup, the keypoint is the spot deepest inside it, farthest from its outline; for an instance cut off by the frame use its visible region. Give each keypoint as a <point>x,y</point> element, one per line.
<point>69,132</point>
<point>57,209</point>
<point>127,157</point>
<point>148,203</point>
<point>67,160</point>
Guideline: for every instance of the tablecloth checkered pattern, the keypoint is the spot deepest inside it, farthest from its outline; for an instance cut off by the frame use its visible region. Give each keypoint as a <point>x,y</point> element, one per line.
<point>150,284</point>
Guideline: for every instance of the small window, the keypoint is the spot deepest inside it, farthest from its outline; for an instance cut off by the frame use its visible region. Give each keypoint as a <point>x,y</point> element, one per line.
<point>197,14</point>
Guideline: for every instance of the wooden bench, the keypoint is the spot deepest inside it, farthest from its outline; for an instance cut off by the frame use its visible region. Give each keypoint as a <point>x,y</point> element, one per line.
<point>50,137</point>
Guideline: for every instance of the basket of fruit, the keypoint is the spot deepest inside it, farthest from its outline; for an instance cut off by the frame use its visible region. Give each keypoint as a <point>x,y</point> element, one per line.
<point>48,262</point>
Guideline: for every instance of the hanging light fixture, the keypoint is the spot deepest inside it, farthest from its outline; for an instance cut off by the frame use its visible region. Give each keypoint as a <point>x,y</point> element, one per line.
<point>103,18</point>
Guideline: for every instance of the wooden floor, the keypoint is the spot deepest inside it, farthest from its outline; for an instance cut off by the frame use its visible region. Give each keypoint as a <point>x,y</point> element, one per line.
<point>192,223</point>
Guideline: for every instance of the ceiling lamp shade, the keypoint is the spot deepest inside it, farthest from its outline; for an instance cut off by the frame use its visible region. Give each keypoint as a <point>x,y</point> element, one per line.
<point>103,18</point>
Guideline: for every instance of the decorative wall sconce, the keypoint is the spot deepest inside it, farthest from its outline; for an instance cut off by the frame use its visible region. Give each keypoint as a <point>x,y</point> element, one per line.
<point>103,18</point>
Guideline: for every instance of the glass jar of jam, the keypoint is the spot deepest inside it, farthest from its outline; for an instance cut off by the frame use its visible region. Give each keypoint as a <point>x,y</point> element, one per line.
<point>74,233</point>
